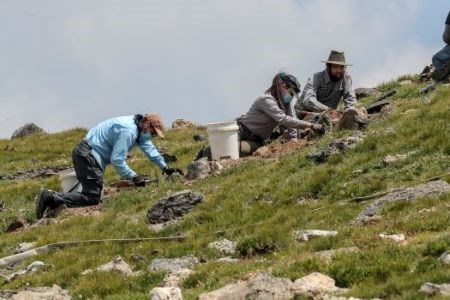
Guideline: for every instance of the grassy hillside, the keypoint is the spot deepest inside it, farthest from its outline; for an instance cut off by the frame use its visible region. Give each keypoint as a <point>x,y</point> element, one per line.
<point>257,190</point>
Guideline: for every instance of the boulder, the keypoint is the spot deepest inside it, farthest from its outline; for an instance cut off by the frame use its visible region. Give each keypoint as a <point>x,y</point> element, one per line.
<point>166,293</point>
<point>174,206</point>
<point>435,289</point>
<point>31,268</point>
<point>224,246</point>
<point>257,286</point>
<point>26,130</point>
<point>37,293</point>
<point>306,235</point>
<point>198,169</point>
<point>173,264</point>
<point>366,92</point>
<point>314,284</point>
<point>118,264</point>
<point>22,247</point>
<point>176,278</point>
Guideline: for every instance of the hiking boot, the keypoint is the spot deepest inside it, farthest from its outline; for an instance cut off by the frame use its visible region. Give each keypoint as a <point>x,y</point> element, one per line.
<point>348,120</point>
<point>43,201</point>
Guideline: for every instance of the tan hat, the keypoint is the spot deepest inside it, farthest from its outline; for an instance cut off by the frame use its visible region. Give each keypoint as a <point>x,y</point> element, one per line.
<point>156,121</point>
<point>336,58</point>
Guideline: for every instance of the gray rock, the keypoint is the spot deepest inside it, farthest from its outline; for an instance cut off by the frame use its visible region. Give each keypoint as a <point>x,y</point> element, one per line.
<point>429,189</point>
<point>435,289</point>
<point>38,293</point>
<point>366,92</point>
<point>117,264</point>
<point>228,259</point>
<point>22,247</point>
<point>406,82</point>
<point>166,293</point>
<point>395,237</point>
<point>26,130</point>
<point>445,258</point>
<point>316,284</point>
<point>327,255</point>
<point>390,160</point>
<point>174,206</point>
<point>258,286</point>
<point>306,235</point>
<point>173,264</point>
<point>336,147</point>
<point>33,267</point>
<point>176,278</point>
<point>224,246</point>
<point>198,169</point>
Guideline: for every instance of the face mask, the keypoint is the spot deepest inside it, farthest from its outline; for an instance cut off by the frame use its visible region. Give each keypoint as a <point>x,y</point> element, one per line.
<point>145,136</point>
<point>287,98</point>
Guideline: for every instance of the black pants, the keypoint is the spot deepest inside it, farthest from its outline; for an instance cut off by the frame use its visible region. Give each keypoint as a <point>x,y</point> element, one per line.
<point>90,175</point>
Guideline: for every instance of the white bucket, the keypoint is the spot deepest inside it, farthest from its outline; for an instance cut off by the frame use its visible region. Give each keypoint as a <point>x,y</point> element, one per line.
<point>69,181</point>
<point>223,139</point>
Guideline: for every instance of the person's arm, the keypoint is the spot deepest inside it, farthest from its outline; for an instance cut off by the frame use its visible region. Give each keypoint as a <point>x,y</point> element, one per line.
<point>446,35</point>
<point>122,143</point>
<point>153,154</point>
<point>309,97</point>
<point>270,107</point>
<point>349,94</point>
<point>292,132</point>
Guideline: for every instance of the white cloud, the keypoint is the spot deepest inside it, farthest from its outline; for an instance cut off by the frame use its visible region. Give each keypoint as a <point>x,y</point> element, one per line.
<point>67,64</point>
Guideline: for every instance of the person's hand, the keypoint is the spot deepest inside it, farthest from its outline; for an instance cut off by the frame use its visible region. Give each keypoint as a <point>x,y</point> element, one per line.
<point>139,180</point>
<point>170,171</point>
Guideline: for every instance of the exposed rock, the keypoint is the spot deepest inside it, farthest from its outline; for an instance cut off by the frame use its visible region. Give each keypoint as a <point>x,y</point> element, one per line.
<point>368,220</point>
<point>33,267</point>
<point>366,92</point>
<point>176,277</point>
<point>22,247</point>
<point>26,130</point>
<point>216,167</point>
<point>394,159</point>
<point>427,210</point>
<point>336,147</point>
<point>395,237</point>
<point>228,259</point>
<point>327,255</point>
<point>199,137</point>
<point>435,289</point>
<point>16,225</point>
<point>174,206</point>
<point>137,257</point>
<point>445,258</point>
<point>183,124</point>
<point>166,293</point>
<point>258,286</point>
<point>38,293</point>
<point>406,82</point>
<point>173,264</point>
<point>429,189</point>
<point>118,264</point>
<point>160,226</point>
<point>224,246</point>
<point>33,173</point>
<point>315,284</point>
<point>306,235</point>
<point>198,169</point>
<point>263,151</point>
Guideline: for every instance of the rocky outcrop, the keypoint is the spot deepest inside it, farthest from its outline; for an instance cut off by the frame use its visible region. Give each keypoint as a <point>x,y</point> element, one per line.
<point>26,130</point>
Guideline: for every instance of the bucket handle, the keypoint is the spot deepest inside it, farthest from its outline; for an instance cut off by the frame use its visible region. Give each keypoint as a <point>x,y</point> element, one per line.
<point>225,157</point>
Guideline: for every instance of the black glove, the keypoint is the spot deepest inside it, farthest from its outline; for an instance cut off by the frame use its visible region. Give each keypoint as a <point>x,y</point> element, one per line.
<point>170,171</point>
<point>139,180</point>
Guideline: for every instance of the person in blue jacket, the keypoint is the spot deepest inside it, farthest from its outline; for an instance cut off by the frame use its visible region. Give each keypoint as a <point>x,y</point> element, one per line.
<point>108,143</point>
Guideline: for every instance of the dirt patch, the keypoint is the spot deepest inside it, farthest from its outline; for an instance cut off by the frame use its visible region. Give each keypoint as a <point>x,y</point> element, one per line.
<point>34,173</point>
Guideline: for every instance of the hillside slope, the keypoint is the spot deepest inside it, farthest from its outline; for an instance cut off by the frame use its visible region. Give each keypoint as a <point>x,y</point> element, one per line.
<point>278,195</point>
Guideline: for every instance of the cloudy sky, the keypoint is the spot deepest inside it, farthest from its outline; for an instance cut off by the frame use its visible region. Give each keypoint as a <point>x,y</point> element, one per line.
<point>74,63</point>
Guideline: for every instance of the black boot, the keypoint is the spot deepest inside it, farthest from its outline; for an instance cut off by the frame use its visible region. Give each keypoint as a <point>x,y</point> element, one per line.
<point>43,201</point>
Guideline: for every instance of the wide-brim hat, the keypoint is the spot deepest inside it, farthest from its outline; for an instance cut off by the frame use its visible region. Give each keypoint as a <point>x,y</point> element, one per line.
<point>336,58</point>
<point>157,123</point>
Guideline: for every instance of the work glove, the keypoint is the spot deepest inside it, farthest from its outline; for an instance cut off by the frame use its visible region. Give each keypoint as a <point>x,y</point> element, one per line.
<point>139,180</point>
<point>170,171</point>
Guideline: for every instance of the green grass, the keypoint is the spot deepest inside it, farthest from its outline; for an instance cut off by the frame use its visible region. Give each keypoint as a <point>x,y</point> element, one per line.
<point>256,191</point>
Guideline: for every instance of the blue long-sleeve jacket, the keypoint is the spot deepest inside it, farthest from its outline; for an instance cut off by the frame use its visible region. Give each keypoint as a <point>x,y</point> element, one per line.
<point>111,141</point>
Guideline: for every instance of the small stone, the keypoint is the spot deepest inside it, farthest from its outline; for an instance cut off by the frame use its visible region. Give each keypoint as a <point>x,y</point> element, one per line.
<point>118,264</point>
<point>174,206</point>
<point>138,257</point>
<point>33,267</point>
<point>183,124</point>
<point>395,237</point>
<point>306,235</point>
<point>2,205</point>
<point>215,167</point>
<point>228,259</point>
<point>263,151</point>
<point>445,258</point>
<point>38,293</point>
<point>314,284</point>
<point>26,130</point>
<point>427,210</point>
<point>198,169</point>
<point>393,159</point>
<point>158,227</point>
<point>166,293</point>
<point>22,247</point>
<point>435,289</point>
<point>173,264</point>
<point>224,246</point>
<point>176,278</point>
<point>406,82</point>
<point>327,256</point>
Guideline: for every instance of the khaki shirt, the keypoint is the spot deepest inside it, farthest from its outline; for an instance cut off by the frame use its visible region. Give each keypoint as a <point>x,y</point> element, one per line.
<point>322,93</point>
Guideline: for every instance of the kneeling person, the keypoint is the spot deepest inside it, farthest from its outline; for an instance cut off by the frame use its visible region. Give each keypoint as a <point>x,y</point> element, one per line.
<point>107,143</point>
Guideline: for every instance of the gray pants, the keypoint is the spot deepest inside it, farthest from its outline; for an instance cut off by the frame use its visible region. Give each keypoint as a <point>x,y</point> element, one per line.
<point>90,175</point>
